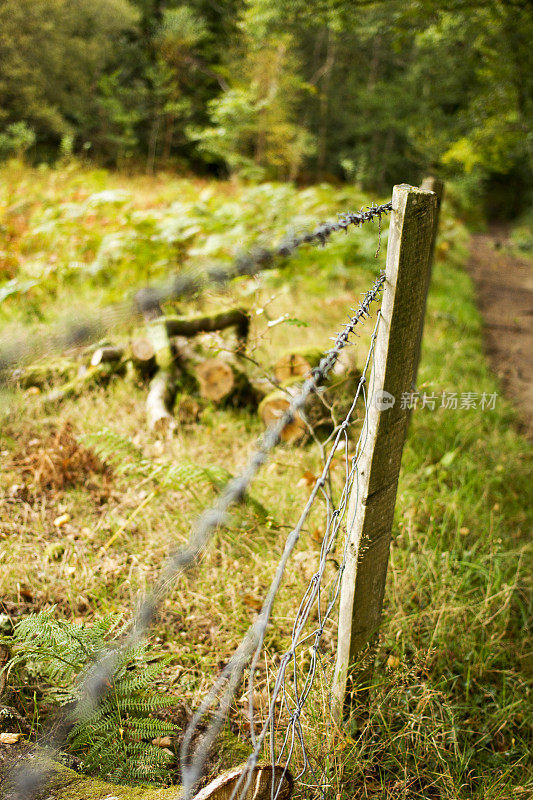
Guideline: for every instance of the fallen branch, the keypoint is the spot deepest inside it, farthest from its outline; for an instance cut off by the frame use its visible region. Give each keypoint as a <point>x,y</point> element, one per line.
<point>106,355</point>
<point>42,374</point>
<point>99,374</point>
<point>236,318</point>
<point>160,400</point>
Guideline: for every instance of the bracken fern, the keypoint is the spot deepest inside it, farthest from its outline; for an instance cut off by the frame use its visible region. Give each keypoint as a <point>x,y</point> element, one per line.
<point>115,740</point>
<point>126,458</point>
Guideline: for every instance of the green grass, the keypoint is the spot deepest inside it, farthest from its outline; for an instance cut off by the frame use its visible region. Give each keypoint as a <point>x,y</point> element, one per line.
<point>450,715</point>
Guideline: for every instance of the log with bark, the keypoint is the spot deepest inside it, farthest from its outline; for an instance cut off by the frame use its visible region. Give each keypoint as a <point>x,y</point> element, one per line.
<point>86,377</point>
<point>142,349</point>
<point>66,784</point>
<point>164,356</point>
<point>106,355</point>
<point>41,375</point>
<point>157,334</point>
<point>162,393</point>
<point>160,400</point>
<point>236,318</point>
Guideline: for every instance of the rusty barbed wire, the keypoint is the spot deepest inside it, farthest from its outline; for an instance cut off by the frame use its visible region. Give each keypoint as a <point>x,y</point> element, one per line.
<point>17,352</point>
<point>30,777</point>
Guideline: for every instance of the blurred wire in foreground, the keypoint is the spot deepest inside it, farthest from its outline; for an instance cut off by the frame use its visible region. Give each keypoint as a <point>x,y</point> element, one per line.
<point>69,333</point>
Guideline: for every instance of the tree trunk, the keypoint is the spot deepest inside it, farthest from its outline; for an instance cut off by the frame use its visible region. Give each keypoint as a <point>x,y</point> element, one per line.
<point>324,105</point>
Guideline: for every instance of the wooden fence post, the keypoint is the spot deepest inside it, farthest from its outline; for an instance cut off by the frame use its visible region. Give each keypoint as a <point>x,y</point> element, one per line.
<point>371,506</point>
<point>435,185</point>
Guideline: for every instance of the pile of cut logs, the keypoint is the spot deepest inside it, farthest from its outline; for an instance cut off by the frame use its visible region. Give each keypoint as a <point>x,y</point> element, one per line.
<point>172,358</point>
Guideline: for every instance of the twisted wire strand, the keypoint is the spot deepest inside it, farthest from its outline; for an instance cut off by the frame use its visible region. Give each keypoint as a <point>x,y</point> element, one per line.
<point>16,352</point>
<point>97,678</point>
<point>252,645</point>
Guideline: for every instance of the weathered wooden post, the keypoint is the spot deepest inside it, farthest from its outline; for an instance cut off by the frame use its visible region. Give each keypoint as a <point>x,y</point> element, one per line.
<point>371,507</point>
<point>429,184</point>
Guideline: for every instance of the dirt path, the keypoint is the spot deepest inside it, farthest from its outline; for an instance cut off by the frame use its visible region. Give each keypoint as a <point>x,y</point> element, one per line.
<point>504,286</point>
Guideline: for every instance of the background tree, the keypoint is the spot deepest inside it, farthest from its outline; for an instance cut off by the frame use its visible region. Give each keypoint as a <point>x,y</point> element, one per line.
<point>54,54</point>
<point>375,91</point>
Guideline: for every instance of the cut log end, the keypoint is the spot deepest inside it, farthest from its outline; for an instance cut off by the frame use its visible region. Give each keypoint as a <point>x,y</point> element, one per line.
<point>216,379</point>
<point>296,363</point>
<point>267,782</point>
<point>272,409</point>
<point>142,350</point>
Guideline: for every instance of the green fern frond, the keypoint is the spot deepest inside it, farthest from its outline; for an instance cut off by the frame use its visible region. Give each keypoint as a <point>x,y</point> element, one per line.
<point>146,705</point>
<point>115,739</point>
<point>134,681</point>
<point>149,726</point>
<point>116,450</point>
<point>126,458</point>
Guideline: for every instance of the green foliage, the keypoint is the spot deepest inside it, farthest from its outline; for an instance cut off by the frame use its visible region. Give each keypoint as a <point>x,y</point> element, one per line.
<point>450,709</point>
<point>279,89</point>
<point>16,139</point>
<point>53,54</point>
<point>121,453</point>
<point>231,136</point>
<point>255,129</point>
<point>103,238</point>
<point>115,740</point>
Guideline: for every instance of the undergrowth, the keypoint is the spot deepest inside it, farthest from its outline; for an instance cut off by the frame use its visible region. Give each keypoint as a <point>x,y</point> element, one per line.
<point>450,711</point>
<point>115,740</point>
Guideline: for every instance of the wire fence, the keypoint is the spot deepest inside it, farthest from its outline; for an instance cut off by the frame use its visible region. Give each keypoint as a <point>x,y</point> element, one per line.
<point>279,729</point>
<point>286,718</point>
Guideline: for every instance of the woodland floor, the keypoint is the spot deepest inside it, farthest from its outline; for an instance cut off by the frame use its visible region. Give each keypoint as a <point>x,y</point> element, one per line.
<point>504,288</point>
<point>450,714</point>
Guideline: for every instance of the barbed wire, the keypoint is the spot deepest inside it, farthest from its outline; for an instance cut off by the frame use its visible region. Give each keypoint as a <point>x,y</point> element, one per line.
<point>96,680</point>
<point>16,352</point>
<point>252,645</point>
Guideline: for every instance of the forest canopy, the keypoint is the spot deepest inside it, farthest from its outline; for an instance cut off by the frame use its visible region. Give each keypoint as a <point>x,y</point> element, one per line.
<point>376,92</point>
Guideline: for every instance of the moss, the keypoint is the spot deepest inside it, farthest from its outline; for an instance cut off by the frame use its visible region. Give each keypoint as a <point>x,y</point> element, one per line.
<point>66,784</point>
